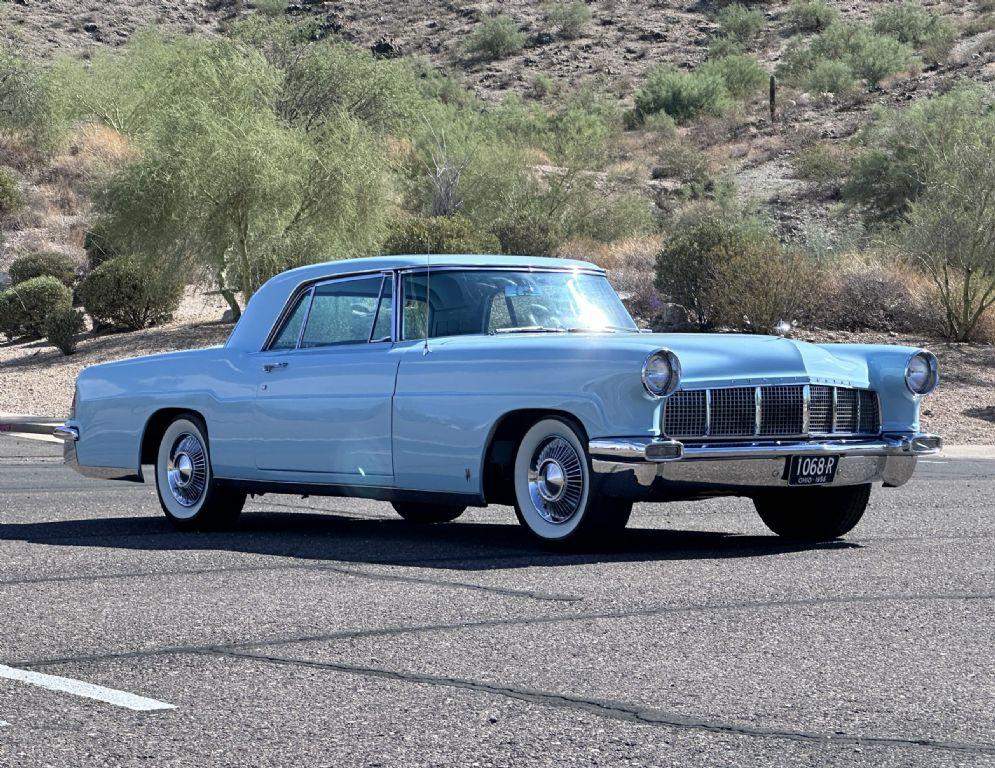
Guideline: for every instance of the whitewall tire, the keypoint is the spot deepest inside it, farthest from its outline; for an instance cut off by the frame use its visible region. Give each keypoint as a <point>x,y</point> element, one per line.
<point>554,498</point>
<point>188,493</point>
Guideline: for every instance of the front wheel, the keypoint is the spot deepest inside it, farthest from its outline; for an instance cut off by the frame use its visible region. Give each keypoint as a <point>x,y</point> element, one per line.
<point>554,499</point>
<point>813,514</point>
<point>415,512</point>
<point>188,493</point>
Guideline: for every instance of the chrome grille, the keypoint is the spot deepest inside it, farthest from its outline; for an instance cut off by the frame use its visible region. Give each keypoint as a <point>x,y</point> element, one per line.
<point>688,418</point>
<point>781,411</point>
<point>846,410</point>
<point>820,410</point>
<point>869,421</point>
<point>733,412</point>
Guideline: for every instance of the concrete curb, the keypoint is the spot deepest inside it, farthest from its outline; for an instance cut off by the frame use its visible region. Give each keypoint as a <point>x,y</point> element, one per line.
<point>35,425</point>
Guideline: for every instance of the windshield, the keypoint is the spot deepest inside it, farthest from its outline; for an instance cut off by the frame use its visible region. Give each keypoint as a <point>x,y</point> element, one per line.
<point>482,301</point>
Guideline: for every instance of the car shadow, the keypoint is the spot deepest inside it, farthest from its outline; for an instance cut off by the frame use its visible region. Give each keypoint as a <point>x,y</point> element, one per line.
<point>460,545</point>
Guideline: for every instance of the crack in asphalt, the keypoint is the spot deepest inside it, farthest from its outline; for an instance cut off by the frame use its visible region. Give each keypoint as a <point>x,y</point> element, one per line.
<point>358,634</point>
<point>507,591</point>
<point>617,710</point>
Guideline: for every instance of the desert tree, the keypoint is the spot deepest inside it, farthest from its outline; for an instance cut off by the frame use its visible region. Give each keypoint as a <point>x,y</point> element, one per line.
<point>949,231</point>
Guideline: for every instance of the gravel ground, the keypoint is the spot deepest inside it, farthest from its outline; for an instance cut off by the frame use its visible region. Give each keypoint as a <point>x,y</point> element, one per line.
<point>36,379</point>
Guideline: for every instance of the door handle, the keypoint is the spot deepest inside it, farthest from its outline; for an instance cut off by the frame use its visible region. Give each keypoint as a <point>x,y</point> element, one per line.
<point>270,367</point>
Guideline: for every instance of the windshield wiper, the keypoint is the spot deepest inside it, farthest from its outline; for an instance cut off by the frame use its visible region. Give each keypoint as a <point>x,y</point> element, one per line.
<point>530,329</point>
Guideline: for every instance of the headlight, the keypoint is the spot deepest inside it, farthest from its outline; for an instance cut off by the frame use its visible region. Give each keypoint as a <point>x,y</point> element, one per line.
<point>922,373</point>
<point>661,373</point>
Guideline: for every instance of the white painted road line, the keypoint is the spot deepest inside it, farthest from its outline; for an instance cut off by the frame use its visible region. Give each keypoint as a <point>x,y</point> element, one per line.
<point>87,690</point>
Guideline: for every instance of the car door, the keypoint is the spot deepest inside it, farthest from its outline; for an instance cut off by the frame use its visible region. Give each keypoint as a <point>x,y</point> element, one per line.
<point>323,401</point>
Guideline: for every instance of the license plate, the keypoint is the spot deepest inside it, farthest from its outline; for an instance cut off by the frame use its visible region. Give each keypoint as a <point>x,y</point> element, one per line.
<point>812,470</point>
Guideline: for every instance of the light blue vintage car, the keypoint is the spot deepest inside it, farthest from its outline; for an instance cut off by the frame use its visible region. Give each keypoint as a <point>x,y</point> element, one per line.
<point>441,382</point>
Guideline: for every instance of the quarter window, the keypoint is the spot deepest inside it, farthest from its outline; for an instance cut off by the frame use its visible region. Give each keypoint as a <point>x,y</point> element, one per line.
<point>344,312</point>
<point>291,331</point>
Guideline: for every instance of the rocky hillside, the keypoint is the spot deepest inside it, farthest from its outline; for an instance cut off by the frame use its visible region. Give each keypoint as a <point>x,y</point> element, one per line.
<point>611,50</point>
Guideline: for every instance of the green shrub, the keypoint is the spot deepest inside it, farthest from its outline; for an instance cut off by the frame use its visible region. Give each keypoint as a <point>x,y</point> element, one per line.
<point>569,18</point>
<point>438,234</point>
<point>270,7</point>
<point>833,77</point>
<point>741,23</point>
<point>682,95</point>
<point>723,46</point>
<point>63,327</point>
<point>687,164</point>
<point>98,246</point>
<point>25,307</point>
<point>762,284</point>
<point>923,29</point>
<point>32,265</point>
<point>495,38</point>
<point>11,199</point>
<point>741,74</point>
<point>872,56</point>
<point>823,163</point>
<point>125,293</point>
<point>868,54</point>
<point>812,15</point>
<point>686,267</point>
<point>528,230</point>
<point>542,86</point>
<point>613,219</point>
<point>902,149</point>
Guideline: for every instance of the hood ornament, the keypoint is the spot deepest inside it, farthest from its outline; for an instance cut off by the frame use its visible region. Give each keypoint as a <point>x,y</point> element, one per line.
<point>784,328</point>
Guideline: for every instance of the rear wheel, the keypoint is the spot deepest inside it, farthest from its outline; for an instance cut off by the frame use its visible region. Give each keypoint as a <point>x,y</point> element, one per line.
<point>813,514</point>
<point>554,499</point>
<point>415,512</point>
<point>188,492</point>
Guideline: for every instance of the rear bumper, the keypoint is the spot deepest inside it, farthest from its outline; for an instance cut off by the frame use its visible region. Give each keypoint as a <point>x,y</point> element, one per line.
<point>647,468</point>
<point>69,433</point>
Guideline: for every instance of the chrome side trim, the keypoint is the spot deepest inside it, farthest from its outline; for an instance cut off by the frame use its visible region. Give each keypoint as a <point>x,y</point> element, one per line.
<point>66,432</point>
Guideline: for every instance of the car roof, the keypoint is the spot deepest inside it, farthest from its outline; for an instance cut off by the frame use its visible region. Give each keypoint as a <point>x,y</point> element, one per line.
<point>270,299</point>
<point>405,261</point>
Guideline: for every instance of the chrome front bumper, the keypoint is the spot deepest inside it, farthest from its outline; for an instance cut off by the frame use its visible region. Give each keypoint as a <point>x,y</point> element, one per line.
<point>646,468</point>
<point>69,433</point>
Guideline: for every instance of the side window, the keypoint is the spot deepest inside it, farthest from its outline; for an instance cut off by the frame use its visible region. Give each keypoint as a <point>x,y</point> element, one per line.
<point>291,330</point>
<point>343,312</point>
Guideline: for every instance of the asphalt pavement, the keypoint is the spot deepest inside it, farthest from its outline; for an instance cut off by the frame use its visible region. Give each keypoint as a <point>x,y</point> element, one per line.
<point>329,632</point>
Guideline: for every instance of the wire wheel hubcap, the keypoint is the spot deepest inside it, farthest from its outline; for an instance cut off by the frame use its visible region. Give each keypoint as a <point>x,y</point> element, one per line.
<point>187,470</point>
<point>556,480</point>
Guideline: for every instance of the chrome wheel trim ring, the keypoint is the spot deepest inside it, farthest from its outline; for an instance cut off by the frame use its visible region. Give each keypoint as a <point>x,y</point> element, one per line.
<point>186,470</point>
<point>556,480</point>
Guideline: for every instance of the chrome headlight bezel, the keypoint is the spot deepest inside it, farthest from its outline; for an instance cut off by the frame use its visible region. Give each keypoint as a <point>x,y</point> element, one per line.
<point>932,373</point>
<point>650,375</point>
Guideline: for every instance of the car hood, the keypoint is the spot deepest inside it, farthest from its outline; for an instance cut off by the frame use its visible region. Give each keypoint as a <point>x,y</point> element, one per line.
<point>732,359</point>
<point>707,359</point>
